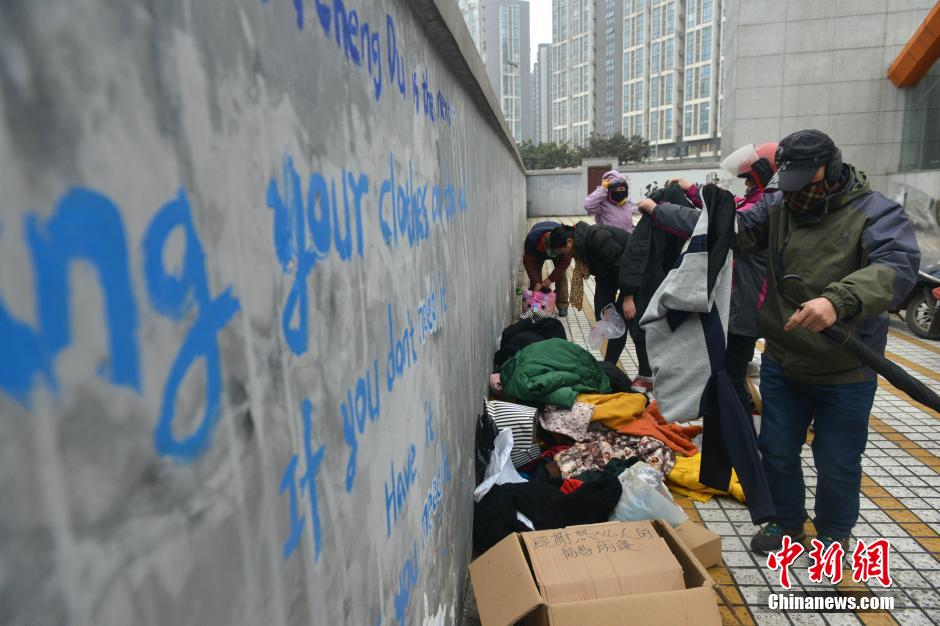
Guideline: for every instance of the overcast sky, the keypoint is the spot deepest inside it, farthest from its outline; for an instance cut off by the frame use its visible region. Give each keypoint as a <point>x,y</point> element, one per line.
<point>540,26</point>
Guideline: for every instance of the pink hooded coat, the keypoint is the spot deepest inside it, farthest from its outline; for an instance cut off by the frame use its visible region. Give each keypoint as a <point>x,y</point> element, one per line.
<point>607,212</point>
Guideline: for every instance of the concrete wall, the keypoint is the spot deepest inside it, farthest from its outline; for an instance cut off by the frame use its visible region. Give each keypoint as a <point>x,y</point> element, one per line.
<point>792,64</point>
<point>562,191</point>
<point>554,192</point>
<point>243,323</point>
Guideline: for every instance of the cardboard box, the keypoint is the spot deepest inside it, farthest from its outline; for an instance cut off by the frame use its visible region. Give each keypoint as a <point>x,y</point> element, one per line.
<point>607,574</point>
<point>704,544</point>
<point>601,561</point>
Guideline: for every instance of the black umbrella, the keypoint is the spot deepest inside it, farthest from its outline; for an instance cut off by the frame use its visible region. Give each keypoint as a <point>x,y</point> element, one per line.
<point>892,372</point>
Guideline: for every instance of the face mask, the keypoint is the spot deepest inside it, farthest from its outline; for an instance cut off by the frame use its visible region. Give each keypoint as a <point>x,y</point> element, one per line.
<point>618,193</point>
<point>808,205</point>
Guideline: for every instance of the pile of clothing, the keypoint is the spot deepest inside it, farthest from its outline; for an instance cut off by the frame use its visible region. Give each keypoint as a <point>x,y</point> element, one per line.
<point>562,442</point>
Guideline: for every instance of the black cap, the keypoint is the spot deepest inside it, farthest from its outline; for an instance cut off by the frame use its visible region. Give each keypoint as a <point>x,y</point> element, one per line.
<point>799,155</point>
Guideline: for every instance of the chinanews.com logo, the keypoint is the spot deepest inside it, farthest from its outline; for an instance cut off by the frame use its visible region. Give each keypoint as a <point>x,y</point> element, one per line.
<point>871,563</point>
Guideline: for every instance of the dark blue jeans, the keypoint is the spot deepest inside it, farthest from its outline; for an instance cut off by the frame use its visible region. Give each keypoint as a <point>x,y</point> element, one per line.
<point>840,414</point>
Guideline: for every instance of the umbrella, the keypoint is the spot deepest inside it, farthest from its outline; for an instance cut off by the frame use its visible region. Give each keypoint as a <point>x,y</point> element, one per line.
<point>893,373</point>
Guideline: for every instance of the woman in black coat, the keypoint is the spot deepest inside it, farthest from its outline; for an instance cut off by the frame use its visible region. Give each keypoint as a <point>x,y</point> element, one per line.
<point>601,249</point>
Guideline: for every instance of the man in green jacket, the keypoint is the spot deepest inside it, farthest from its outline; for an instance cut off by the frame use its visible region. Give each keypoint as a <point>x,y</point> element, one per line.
<point>856,254</point>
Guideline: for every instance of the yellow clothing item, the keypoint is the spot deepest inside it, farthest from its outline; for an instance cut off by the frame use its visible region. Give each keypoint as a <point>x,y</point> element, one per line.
<point>614,410</point>
<point>683,479</point>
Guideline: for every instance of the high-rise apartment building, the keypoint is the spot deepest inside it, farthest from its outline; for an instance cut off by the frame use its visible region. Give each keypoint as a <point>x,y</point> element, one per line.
<point>541,124</point>
<point>701,102</point>
<point>500,30</point>
<point>639,67</point>
<point>474,13</point>
<point>572,70</point>
<point>608,29</point>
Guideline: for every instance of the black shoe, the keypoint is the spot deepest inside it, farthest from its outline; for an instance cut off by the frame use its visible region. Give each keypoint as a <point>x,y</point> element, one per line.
<point>562,312</point>
<point>770,538</point>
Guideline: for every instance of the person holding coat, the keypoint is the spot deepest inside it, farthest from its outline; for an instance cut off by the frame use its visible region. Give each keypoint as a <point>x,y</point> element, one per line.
<point>756,164</point>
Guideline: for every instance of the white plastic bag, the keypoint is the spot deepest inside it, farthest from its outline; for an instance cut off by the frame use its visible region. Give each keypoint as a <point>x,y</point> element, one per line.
<point>645,497</point>
<point>610,326</point>
<point>499,470</point>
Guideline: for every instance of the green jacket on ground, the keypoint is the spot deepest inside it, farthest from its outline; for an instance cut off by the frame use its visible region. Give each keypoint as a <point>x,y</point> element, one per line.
<point>862,256</point>
<point>553,371</point>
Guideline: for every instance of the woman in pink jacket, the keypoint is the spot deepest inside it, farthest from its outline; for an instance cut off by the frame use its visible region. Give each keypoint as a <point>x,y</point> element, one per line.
<point>610,203</point>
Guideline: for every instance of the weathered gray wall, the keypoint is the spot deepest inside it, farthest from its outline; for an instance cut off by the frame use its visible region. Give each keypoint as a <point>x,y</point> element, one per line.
<point>250,285</point>
<point>554,192</point>
<point>562,191</point>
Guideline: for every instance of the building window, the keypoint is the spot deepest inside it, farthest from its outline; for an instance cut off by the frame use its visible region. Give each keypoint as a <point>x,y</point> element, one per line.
<point>688,119</point>
<point>640,28</point>
<point>670,18</point>
<point>705,85</point>
<point>656,23</point>
<point>656,51</point>
<point>704,117</point>
<point>920,147</point>
<point>670,63</point>
<point>707,43</point>
<point>706,11</point>
<point>691,16</point>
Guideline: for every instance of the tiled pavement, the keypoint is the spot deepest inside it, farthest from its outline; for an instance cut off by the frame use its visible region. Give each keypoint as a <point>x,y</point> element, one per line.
<point>900,500</point>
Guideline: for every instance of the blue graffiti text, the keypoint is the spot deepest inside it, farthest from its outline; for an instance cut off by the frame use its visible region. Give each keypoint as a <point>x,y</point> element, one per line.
<point>307,483</point>
<point>360,404</point>
<point>397,488</point>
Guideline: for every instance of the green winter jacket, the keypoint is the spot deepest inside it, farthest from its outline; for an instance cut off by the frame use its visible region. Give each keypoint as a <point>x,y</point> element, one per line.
<point>553,371</point>
<point>862,256</point>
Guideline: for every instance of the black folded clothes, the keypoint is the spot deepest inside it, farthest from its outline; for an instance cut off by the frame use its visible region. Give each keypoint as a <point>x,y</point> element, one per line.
<point>517,336</point>
<point>495,516</point>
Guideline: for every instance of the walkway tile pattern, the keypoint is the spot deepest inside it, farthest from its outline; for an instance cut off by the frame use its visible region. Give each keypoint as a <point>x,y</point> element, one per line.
<point>900,499</point>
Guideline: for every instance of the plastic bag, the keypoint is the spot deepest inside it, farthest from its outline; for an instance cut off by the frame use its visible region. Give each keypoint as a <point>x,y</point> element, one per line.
<point>645,497</point>
<point>610,326</point>
<point>539,301</point>
<point>500,469</point>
